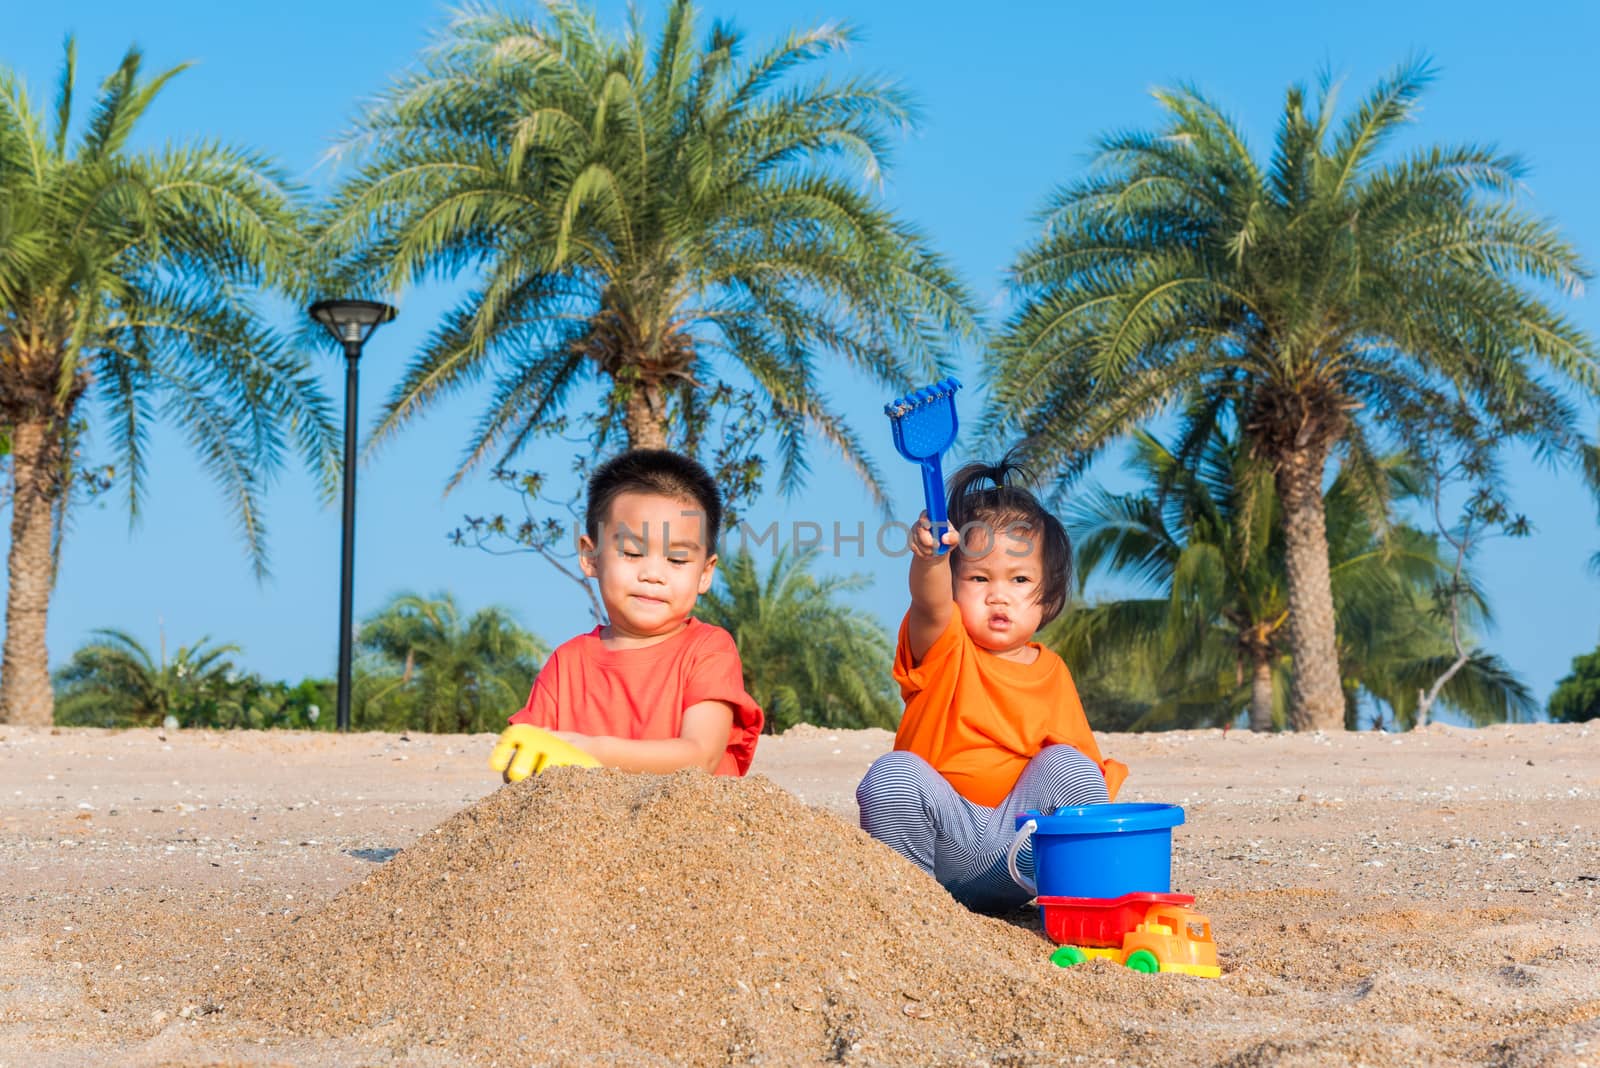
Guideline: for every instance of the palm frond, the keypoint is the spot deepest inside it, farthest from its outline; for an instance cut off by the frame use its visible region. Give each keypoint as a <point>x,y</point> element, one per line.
<point>680,207</point>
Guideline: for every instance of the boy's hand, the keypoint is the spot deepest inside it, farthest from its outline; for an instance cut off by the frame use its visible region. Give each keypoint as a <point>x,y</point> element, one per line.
<point>922,540</point>
<point>525,750</point>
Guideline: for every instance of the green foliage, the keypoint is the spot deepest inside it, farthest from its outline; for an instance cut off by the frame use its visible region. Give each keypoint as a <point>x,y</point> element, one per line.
<point>1577,697</point>
<point>1119,676</point>
<point>422,667</point>
<point>309,703</point>
<point>1203,534</point>
<point>131,277</point>
<point>113,681</point>
<point>646,216</point>
<point>807,658</point>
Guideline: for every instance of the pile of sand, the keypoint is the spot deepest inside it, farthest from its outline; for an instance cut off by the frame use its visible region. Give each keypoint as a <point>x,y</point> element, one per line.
<point>590,914</point>
<point>1429,900</point>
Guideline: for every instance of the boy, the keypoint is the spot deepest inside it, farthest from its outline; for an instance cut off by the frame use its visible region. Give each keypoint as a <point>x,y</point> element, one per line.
<point>654,689</point>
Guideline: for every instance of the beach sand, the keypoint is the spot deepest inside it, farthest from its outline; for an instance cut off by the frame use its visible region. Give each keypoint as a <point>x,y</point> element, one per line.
<point>207,898</point>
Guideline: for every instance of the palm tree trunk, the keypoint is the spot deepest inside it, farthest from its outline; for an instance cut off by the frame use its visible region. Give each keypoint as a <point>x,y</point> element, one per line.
<point>25,695</point>
<point>645,417</point>
<point>1261,694</point>
<point>1316,700</point>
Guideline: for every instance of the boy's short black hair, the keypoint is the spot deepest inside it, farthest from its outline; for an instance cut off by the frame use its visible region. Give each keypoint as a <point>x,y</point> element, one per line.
<point>1003,506</point>
<point>657,471</point>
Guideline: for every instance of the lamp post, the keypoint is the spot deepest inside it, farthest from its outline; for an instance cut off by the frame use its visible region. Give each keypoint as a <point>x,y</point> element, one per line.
<point>351,322</point>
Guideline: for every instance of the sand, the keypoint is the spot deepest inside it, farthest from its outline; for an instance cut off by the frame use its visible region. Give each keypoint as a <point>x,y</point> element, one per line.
<point>270,898</point>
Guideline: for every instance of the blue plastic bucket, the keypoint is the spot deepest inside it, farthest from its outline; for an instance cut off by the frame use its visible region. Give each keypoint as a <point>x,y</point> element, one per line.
<point>1098,850</point>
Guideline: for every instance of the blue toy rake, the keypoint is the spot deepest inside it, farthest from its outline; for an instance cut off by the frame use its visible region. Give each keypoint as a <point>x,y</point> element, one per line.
<point>924,423</point>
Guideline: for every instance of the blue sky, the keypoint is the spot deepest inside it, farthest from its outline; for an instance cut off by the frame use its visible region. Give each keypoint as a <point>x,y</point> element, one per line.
<point>1011,97</point>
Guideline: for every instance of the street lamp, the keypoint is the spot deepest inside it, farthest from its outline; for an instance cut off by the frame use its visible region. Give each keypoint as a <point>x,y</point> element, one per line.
<point>350,322</point>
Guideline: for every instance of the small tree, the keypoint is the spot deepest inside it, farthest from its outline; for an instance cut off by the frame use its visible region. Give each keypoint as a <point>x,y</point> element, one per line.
<point>548,526</point>
<point>1484,513</point>
<point>113,681</point>
<point>424,666</point>
<point>1577,697</point>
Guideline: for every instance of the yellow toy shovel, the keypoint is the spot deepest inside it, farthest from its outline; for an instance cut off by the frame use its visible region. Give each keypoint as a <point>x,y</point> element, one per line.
<point>525,750</point>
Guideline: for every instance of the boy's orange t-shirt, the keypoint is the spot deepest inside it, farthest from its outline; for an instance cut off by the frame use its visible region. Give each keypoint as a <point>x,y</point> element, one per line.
<point>642,693</point>
<point>978,718</point>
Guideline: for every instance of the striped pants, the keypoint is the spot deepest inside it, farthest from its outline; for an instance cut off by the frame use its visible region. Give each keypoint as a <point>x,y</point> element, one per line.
<point>910,807</point>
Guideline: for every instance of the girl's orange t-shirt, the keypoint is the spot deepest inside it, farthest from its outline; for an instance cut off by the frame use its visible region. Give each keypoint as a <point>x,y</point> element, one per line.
<point>642,693</point>
<point>978,718</point>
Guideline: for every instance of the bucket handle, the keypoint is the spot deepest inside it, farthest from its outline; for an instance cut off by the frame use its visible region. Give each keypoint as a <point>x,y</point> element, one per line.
<point>1022,835</point>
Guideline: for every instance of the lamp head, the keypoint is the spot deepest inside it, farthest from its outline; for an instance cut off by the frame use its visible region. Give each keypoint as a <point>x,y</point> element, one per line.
<point>351,322</point>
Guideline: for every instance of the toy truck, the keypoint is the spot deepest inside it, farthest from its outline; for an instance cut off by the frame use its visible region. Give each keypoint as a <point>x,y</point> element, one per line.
<point>1144,932</point>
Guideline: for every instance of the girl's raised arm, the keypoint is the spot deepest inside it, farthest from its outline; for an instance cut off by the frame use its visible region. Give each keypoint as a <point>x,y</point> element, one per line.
<point>932,600</point>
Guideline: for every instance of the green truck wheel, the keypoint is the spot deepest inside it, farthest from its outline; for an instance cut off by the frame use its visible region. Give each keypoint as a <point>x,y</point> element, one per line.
<point>1142,960</point>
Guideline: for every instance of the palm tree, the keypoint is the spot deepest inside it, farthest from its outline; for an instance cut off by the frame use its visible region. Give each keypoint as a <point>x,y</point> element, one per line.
<point>426,666</point>
<point>128,276</point>
<point>1204,532</point>
<point>1125,678</point>
<point>1327,301</point>
<point>651,218</point>
<point>114,681</point>
<point>807,658</point>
